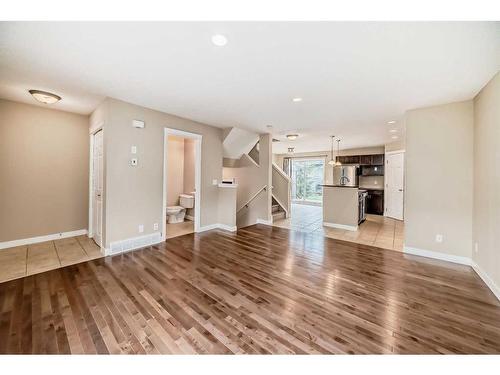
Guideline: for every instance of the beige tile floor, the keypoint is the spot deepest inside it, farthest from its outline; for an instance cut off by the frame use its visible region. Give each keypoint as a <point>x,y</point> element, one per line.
<point>31,259</point>
<point>179,229</point>
<point>377,230</point>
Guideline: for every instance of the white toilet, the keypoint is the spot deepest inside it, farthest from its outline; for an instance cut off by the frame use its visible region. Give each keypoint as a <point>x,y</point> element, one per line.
<point>175,214</point>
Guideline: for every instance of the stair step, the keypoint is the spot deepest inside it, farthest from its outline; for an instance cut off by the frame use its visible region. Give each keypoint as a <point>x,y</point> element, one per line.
<point>275,208</point>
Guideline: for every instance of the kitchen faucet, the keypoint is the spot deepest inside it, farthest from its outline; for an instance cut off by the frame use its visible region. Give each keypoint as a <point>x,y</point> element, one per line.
<point>342,182</point>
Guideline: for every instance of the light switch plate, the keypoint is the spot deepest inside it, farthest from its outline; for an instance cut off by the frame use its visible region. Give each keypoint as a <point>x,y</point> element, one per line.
<point>214,182</point>
<point>155,226</point>
<point>133,149</point>
<point>141,228</point>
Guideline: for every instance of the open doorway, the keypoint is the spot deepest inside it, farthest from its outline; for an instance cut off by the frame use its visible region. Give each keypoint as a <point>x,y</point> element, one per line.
<point>181,183</point>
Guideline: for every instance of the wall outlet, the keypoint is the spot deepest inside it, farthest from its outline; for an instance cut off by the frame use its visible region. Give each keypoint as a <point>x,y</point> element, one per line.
<point>214,182</point>
<point>439,238</point>
<point>155,226</point>
<point>133,162</point>
<point>476,247</point>
<point>141,228</point>
<point>133,149</point>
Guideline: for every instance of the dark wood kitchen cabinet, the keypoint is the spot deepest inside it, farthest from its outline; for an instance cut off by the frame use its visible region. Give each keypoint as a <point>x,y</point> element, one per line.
<point>371,160</point>
<point>378,159</point>
<point>375,202</point>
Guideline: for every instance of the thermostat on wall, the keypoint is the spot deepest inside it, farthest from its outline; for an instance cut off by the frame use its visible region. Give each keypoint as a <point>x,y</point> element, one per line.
<point>138,124</point>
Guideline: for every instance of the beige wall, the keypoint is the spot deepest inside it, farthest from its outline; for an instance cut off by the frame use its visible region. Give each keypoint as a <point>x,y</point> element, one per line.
<point>395,146</point>
<point>486,231</point>
<point>439,175</point>
<point>175,170</point>
<point>134,195</point>
<point>250,178</point>
<point>227,206</point>
<point>44,172</point>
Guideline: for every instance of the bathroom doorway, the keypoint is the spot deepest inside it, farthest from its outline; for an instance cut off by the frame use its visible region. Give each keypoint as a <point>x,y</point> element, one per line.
<point>181,183</point>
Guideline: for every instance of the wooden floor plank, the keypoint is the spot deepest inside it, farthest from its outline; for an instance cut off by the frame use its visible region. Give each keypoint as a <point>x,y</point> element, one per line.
<point>261,290</point>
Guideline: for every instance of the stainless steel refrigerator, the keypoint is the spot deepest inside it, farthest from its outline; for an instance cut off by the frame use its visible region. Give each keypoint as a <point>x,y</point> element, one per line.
<point>345,175</point>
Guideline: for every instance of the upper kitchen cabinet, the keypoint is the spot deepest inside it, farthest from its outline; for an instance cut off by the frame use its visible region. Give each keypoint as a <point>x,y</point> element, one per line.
<point>378,159</point>
<point>353,159</point>
<point>374,160</point>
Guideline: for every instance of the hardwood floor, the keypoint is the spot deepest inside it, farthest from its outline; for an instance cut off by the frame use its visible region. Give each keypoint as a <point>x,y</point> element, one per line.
<point>261,290</point>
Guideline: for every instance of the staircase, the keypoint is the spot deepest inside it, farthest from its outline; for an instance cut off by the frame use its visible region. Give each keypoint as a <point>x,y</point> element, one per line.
<point>277,211</point>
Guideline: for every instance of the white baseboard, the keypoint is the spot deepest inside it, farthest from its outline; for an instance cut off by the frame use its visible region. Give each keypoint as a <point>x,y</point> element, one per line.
<point>133,243</point>
<point>341,226</point>
<point>265,222</point>
<point>189,217</point>
<point>437,255</point>
<point>48,237</point>
<point>227,227</point>
<point>217,226</point>
<point>487,280</point>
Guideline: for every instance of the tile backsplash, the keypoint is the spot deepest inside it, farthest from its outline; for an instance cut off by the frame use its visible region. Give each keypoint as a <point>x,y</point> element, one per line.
<point>371,181</point>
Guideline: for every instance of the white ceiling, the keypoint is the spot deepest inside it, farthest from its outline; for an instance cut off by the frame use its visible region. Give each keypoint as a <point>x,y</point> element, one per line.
<point>353,76</point>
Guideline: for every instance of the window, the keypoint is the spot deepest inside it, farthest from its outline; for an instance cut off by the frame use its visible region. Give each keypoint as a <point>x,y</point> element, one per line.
<point>307,178</point>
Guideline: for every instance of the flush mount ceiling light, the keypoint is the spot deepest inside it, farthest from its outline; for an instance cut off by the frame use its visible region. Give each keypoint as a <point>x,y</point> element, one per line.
<point>292,137</point>
<point>394,137</point>
<point>392,122</point>
<point>393,131</point>
<point>219,40</point>
<point>296,100</point>
<point>45,97</point>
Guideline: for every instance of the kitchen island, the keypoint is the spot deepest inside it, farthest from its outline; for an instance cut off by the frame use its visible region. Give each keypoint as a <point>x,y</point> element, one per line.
<point>340,207</point>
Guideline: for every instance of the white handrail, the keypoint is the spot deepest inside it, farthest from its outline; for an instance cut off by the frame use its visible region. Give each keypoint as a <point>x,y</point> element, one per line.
<point>253,197</point>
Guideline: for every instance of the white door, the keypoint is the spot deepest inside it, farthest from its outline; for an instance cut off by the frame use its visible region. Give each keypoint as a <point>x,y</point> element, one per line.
<point>97,177</point>
<point>394,185</point>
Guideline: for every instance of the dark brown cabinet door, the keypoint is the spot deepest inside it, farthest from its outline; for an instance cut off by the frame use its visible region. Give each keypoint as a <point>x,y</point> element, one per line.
<point>365,159</point>
<point>378,159</point>
<point>375,202</point>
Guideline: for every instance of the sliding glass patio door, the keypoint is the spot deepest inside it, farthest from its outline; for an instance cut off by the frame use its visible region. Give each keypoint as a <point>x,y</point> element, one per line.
<point>307,178</point>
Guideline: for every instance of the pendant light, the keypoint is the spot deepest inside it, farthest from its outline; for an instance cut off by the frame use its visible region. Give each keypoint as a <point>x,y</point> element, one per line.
<point>332,162</point>
<point>338,153</point>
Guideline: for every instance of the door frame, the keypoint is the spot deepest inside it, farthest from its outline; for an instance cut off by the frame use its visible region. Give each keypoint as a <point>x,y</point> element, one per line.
<point>402,151</point>
<point>90,232</point>
<point>197,176</point>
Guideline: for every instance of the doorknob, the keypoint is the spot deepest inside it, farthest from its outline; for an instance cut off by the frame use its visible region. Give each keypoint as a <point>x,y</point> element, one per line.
<point>400,189</point>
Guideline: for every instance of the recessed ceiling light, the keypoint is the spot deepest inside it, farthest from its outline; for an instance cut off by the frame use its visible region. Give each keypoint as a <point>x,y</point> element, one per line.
<point>292,137</point>
<point>219,40</point>
<point>45,97</point>
<point>392,122</point>
<point>393,130</point>
<point>296,100</point>
<point>394,137</point>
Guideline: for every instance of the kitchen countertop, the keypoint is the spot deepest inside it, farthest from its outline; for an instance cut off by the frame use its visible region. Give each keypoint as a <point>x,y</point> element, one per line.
<point>371,188</point>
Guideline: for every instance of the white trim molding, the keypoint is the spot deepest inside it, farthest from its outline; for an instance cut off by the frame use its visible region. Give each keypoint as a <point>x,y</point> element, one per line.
<point>265,222</point>
<point>48,237</point>
<point>352,228</point>
<point>437,255</point>
<point>495,289</point>
<point>487,280</point>
<point>217,226</point>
